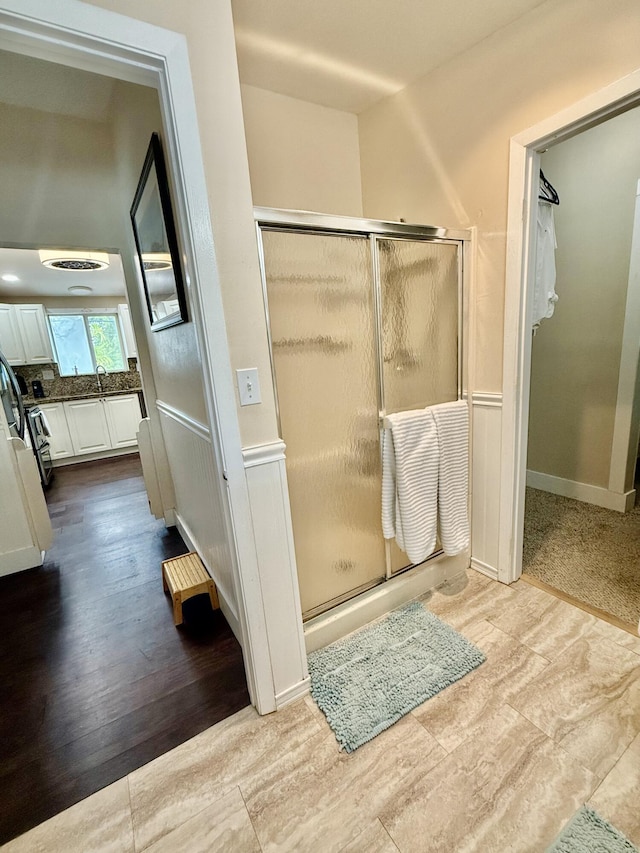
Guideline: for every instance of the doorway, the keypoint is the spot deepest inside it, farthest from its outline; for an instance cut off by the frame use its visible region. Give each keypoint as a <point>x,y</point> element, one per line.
<point>526,153</point>
<point>96,680</point>
<point>364,320</point>
<point>581,535</point>
<point>136,54</point>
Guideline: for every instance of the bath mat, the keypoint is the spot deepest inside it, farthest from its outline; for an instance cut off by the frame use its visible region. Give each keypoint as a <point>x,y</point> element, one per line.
<point>369,680</point>
<point>587,832</point>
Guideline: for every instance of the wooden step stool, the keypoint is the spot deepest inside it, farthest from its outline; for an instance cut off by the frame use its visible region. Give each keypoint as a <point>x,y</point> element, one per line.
<point>185,577</point>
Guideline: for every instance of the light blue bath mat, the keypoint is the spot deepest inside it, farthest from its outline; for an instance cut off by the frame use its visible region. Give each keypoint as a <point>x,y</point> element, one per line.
<point>366,682</point>
<point>587,832</point>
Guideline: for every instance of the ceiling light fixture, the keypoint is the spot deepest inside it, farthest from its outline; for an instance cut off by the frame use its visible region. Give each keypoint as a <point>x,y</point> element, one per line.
<point>152,261</point>
<point>63,259</point>
<point>10,278</point>
<point>80,288</point>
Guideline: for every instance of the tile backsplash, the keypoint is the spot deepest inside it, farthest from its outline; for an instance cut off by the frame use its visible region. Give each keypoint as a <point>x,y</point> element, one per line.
<point>74,386</point>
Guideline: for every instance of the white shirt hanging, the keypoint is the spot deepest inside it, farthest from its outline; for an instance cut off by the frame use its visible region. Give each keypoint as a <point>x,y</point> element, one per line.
<point>544,290</point>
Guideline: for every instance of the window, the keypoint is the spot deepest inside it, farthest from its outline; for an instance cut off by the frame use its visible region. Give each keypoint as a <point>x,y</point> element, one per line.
<point>82,341</point>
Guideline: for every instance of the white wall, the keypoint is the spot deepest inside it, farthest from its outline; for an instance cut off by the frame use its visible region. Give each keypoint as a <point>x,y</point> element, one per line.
<point>301,156</point>
<point>438,152</point>
<point>576,353</point>
<point>175,359</point>
<point>57,172</point>
<point>172,367</point>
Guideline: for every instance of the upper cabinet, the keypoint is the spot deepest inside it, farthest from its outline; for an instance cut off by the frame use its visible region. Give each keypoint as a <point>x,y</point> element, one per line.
<point>10,335</point>
<point>129,340</point>
<point>24,338</point>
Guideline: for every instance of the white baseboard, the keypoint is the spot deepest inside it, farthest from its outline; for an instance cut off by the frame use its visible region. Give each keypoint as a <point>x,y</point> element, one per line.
<point>596,495</point>
<point>227,610</point>
<point>370,605</point>
<point>292,693</point>
<point>93,457</point>
<point>20,560</point>
<point>485,569</point>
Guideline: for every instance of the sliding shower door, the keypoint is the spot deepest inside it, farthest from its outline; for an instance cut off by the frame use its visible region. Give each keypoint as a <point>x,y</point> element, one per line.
<point>323,338</point>
<point>364,321</point>
<point>419,293</point>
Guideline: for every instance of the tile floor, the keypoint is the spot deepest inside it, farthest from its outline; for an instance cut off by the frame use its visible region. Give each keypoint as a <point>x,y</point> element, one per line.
<point>497,762</point>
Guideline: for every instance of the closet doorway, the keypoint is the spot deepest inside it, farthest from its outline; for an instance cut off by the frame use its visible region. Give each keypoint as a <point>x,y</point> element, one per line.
<point>364,320</point>
<point>581,526</point>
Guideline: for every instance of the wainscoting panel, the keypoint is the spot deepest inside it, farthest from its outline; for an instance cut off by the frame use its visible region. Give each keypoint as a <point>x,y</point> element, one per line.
<point>199,508</point>
<point>485,480</point>
<point>269,498</point>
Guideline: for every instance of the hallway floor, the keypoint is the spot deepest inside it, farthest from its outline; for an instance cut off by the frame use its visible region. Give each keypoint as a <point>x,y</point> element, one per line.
<point>95,680</point>
<point>499,761</point>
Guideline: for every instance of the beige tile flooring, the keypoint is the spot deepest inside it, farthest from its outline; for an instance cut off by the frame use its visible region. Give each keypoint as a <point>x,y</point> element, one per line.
<point>497,762</point>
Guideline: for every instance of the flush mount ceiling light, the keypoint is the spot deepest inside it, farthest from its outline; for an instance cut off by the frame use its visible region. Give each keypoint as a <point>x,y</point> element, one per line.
<point>10,278</point>
<point>63,259</point>
<point>152,261</point>
<point>80,288</point>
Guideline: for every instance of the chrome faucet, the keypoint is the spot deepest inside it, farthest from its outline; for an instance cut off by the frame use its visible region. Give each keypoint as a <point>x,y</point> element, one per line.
<point>100,371</point>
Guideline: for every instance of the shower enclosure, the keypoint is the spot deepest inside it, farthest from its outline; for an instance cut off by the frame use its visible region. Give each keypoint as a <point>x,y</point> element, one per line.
<point>365,319</point>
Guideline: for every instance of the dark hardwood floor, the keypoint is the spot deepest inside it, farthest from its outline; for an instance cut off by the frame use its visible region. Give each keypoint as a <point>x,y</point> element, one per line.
<point>95,680</point>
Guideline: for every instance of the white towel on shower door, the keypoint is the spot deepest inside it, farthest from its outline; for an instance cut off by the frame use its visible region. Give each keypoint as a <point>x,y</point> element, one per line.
<point>410,482</point>
<point>452,422</point>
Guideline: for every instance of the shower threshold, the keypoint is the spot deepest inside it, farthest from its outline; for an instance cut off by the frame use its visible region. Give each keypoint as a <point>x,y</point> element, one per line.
<point>367,605</point>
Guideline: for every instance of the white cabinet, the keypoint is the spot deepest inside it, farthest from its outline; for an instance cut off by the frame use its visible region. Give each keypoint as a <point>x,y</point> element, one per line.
<point>24,337</point>
<point>103,423</point>
<point>123,418</point>
<point>32,321</point>
<point>126,326</point>
<point>10,336</point>
<point>60,444</point>
<point>87,426</point>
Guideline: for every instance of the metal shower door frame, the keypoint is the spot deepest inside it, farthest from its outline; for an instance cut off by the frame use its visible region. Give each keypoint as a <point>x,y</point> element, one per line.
<point>306,222</point>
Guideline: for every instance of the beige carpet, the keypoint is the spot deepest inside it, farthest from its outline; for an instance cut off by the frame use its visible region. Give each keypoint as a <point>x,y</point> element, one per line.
<point>590,553</point>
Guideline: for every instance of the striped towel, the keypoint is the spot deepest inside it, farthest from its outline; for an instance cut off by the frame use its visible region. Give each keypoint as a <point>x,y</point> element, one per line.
<point>452,422</point>
<point>410,482</point>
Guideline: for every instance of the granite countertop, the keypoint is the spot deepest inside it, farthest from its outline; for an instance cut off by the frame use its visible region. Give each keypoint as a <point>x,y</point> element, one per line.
<point>40,401</point>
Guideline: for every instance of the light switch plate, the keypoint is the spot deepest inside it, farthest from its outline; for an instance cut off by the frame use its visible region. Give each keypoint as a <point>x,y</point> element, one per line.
<point>47,374</point>
<point>248,386</point>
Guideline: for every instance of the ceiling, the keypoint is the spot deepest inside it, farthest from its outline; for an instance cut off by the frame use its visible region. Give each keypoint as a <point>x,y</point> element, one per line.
<point>345,54</point>
<point>348,54</point>
<point>38,280</point>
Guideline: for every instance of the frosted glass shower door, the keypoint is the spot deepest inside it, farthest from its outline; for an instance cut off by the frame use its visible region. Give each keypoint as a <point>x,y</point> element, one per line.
<point>419,284</point>
<point>323,339</point>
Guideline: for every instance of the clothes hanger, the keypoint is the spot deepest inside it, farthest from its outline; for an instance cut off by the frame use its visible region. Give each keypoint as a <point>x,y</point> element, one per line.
<point>547,191</point>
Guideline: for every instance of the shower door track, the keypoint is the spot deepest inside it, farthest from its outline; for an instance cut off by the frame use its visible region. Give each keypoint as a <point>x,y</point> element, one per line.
<point>307,221</point>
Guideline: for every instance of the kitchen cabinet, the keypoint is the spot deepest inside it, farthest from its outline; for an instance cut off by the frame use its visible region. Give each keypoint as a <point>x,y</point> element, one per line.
<point>24,336</point>
<point>126,326</point>
<point>103,423</point>
<point>87,426</point>
<point>123,418</point>
<point>60,444</point>
<point>10,336</point>
<point>32,322</point>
